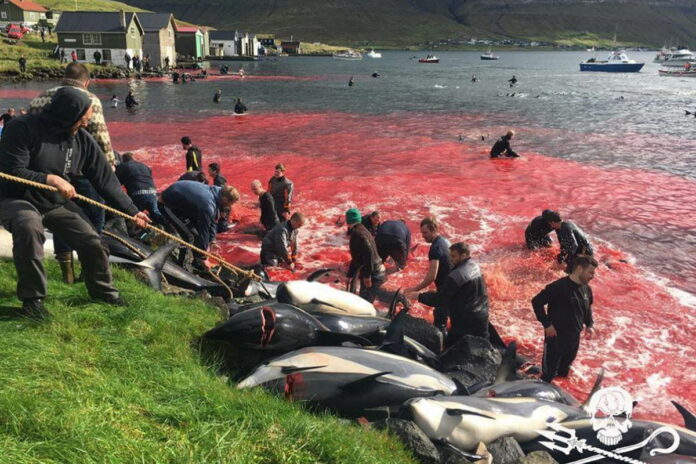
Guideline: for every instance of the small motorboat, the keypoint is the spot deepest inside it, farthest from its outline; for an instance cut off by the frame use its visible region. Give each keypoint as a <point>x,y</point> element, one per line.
<point>374,54</point>
<point>429,59</point>
<point>489,56</point>
<point>349,55</point>
<point>616,62</point>
<point>688,70</point>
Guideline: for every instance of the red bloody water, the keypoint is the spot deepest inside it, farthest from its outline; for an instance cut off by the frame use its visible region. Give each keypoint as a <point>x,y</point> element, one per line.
<point>644,330</point>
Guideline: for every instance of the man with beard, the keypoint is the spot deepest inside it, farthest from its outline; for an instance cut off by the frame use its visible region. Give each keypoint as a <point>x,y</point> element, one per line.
<point>51,148</point>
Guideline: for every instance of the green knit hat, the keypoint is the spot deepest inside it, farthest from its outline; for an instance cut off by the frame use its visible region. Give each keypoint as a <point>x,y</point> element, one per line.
<point>353,216</point>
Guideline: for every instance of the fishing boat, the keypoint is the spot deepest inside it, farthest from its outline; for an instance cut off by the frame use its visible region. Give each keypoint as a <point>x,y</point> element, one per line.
<point>429,59</point>
<point>616,62</point>
<point>374,54</point>
<point>489,56</point>
<point>348,55</point>
<point>686,71</point>
<point>679,58</point>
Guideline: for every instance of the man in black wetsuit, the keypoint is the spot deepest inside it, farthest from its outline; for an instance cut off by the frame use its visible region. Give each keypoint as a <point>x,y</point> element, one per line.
<point>281,188</point>
<point>501,148</point>
<point>464,297</point>
<point>574,242</point>
<point>269,218</point>
<point>371,222</point>
<point>438,268</point>
<point>131,103</point>
<point>563,308</point>
<point>537,233</point>
<point>51,148</point>
<point>194,157</point>
<point>239,107</point>
<point>279,246</point>
<point>393,239</point>
<point>214,173</point>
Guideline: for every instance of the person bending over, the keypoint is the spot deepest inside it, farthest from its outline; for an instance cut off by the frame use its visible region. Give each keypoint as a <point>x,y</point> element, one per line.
<point>279,246</point>
<point>501,148</point>
<point>537,233</point>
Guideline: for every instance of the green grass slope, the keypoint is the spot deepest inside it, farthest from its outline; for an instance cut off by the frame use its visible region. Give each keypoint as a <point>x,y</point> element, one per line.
<point>88,5</point>
<point>412,22</point>
<point>100,384</point>
<point>635,22</point>
<point>388,22</point>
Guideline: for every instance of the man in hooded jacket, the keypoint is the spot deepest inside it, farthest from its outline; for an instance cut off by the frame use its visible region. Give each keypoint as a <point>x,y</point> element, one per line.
<point>51,148</point>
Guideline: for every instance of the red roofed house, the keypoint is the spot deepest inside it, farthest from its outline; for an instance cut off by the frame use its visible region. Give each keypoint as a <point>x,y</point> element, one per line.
<point>192,41</point>
<point>21,11</point>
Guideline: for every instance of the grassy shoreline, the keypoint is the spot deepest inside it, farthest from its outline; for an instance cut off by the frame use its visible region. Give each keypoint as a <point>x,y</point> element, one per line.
<point>103,384</point>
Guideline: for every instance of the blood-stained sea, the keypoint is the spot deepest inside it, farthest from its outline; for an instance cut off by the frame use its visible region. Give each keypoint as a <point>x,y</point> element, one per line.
<point>612,153</point>
<point>393,163</point>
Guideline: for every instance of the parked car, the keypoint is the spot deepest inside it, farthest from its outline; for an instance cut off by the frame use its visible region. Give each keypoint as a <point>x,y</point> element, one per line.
<point>14,31</point>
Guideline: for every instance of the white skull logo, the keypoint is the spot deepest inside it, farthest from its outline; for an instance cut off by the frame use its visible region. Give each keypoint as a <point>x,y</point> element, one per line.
<point>612,402</point>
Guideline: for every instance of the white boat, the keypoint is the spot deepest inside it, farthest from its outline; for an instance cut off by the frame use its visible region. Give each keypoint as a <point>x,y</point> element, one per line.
<point>374,54</point>
<point>663,55</point>
<point>591,49</point>
<point>616,62</point>
<point>350,55</point>
<point>679,58</point>
<point>489,56</point>
<point>685,71</point>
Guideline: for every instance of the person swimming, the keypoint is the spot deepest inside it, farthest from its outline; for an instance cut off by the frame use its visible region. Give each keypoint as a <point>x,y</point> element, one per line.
<point>217,96</point>
<point>351,82</point>
<point>239,107</point>
<point>512,81</point>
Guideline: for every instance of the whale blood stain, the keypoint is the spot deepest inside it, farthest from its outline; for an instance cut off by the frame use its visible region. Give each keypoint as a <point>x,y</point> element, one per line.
<point>640,224</point>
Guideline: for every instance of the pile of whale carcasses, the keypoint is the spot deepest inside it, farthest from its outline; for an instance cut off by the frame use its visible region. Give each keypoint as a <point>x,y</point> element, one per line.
<point>331,350</point>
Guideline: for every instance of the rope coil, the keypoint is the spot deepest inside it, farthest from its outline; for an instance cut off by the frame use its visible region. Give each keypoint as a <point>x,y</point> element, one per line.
<point>222,262</point>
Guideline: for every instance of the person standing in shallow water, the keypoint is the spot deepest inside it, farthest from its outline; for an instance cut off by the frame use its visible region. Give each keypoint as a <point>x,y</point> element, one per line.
<point>217,96</point>
<point>269,218</point>
<point>281,189</point>
<point>351,82</point>
<point>563,308</point>
<point>365,261</point>
<point>439,265</point>
<point>194,157</point>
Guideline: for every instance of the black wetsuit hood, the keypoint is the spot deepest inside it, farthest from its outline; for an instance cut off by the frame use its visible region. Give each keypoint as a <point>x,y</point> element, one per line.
<point>67,106</point>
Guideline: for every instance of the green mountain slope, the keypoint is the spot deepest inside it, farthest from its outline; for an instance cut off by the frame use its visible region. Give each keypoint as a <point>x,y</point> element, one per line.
<point>413,22</point>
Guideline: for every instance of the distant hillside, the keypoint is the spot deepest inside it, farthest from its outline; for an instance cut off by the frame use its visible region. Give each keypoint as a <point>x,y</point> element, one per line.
<point>87,5</point>
<point>415,22</point>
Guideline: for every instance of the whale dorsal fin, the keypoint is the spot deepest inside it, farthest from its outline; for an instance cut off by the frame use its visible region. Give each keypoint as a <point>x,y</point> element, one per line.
<point>595,388</point>
<point>689,417</point>
<point>293,369</point>
<point>506,371</point>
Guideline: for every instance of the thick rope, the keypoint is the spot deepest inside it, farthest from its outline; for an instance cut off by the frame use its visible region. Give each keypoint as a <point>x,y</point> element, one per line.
<point>213,256</point>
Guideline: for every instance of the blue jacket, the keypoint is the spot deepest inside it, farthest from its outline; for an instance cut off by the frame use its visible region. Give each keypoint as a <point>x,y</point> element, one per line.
<point>197,202</point>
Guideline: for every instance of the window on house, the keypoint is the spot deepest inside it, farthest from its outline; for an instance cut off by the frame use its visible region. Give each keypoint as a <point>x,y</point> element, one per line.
<point>3,14</point>
<point>91,39</point>
<point>80,54</point>
<point>32,15</point>
<point>42,16</point>
<point>132,32</point>
<point>106,55</point>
